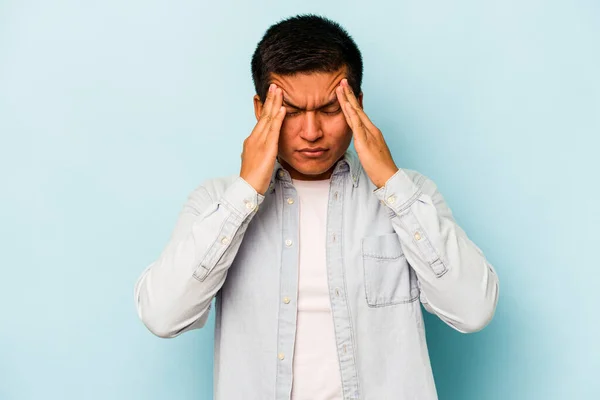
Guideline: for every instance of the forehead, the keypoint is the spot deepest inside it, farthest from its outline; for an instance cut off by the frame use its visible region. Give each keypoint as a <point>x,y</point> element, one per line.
<point>309,88</point>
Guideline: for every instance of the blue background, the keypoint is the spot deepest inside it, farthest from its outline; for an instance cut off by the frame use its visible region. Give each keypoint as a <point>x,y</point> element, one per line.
<point>111,112</point>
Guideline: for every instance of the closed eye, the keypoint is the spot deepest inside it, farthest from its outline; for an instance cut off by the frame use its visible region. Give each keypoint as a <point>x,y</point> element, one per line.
<point>292,113</point>
<point>332,108</point>
<point>332,112</point>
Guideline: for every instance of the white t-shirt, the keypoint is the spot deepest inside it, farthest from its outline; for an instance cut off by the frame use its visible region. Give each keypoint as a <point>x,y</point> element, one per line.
<point>316,373</point>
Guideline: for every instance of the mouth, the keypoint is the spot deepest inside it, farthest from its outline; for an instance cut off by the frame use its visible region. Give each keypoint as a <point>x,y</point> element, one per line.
<point>313,153</point>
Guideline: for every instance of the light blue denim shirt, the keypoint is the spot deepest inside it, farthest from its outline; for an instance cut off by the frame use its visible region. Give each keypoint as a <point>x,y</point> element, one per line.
<point>386,249</point>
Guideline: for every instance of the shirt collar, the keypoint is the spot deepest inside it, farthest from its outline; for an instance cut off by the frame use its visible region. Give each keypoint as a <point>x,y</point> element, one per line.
<point>349,162</point>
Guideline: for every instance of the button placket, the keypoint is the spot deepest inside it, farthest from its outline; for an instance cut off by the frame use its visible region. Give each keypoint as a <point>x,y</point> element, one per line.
<point>288,284</point>
<point>336,280</point>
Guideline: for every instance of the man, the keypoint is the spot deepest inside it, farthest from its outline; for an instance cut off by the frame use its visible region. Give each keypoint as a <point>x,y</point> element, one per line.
<point>316,255</point>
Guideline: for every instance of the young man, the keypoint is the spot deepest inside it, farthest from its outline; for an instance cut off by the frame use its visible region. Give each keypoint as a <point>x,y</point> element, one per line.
<point>317,256</point>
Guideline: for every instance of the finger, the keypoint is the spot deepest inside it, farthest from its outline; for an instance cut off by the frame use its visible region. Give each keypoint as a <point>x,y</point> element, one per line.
<point>349,93</point>
<point>356,123</point>
<point>275,106</point>
<point>268,104</point>
<point>350,114</point>
<point>342,99</point>
<point>355,104</point>
<point>277,101</point>
<point>275,128</point>
<point>266,115</point>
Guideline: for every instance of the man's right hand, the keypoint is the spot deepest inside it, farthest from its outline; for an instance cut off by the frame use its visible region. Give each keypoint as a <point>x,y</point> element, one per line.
<point>261,147</point>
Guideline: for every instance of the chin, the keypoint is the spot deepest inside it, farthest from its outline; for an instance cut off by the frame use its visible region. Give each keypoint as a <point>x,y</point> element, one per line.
<point>313,168</point>
<point>312,171</point>
<point>310,168</point>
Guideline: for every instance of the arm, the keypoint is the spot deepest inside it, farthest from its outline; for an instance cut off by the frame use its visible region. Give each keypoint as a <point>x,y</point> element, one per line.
<point>457,283</point>
<point>174,293</point>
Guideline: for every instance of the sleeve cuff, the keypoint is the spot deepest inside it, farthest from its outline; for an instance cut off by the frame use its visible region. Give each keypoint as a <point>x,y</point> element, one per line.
<point>242,199</point>
<point>399,192</point>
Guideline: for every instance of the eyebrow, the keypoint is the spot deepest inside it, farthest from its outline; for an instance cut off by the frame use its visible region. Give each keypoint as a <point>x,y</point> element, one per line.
<point>330,103</point>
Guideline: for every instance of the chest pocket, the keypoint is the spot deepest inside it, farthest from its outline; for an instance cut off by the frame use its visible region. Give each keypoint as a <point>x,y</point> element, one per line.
<point>389,279</point>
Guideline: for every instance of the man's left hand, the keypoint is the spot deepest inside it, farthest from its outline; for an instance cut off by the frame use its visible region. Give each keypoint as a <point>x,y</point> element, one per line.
<point>369,143</point>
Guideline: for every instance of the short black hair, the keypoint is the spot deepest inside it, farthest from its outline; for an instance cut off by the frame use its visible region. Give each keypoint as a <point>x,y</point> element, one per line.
<point>305,43</point>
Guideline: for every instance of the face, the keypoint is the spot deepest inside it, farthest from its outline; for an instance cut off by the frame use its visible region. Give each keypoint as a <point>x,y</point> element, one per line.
<point>314,134</point>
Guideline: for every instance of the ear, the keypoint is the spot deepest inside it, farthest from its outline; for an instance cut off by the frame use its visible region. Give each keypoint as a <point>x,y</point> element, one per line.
<point>258,105</point>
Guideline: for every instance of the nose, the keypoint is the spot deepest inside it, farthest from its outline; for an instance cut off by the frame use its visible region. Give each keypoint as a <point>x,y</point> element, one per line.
<point>311,129</point>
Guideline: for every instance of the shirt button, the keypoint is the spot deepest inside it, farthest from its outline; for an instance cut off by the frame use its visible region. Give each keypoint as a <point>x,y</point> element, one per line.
<point>281,174</point>
<point>290,200</point>
<point>281,356</point>
<point>288,243</point>
<point>337,292</point>
<point>417,236</point>
<point>391,199</point>
<point>224,240</point>
<point>250,205</point>
<point>335,195</point>
<point>286,300</point>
